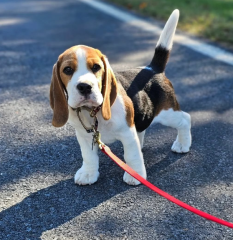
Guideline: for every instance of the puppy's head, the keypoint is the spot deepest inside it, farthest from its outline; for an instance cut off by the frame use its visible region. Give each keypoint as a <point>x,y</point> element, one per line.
<point>82,76</point>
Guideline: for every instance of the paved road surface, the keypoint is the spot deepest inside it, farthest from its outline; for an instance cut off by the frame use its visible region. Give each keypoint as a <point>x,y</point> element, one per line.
<point>39,199</point>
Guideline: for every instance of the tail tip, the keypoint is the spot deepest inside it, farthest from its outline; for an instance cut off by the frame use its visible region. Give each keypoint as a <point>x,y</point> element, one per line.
<point>166,37</point>
<point>176,13</point>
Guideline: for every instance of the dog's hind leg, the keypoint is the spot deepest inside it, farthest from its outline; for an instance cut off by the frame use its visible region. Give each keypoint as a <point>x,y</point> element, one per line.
<point>182,122</point>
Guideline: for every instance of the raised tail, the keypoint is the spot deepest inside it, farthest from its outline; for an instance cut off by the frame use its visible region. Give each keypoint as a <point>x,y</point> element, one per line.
<point>164,45</point>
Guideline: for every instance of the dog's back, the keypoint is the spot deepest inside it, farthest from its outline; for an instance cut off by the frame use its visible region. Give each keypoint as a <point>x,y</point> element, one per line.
<point>150,93</point>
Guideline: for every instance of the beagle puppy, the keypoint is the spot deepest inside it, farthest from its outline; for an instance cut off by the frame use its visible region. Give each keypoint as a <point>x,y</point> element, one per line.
<point>130,102</point>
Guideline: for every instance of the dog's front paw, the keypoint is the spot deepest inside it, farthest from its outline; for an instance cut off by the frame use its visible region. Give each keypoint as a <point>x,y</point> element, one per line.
<point>131,180</point>
<point>85,177</point>
<point>179,147</point>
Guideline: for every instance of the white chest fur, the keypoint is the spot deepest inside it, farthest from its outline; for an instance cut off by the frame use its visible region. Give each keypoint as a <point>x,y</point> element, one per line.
<point>110,130</point>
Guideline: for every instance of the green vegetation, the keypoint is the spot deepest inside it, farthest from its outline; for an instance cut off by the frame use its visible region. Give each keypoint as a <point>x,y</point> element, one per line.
<point>212,19</point>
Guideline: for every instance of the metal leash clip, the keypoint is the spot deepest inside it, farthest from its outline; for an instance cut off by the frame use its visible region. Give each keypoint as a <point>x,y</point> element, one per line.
<point>96,139</point>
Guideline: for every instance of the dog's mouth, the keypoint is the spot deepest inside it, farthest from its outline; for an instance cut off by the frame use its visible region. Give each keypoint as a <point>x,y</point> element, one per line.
<point>87,102</point>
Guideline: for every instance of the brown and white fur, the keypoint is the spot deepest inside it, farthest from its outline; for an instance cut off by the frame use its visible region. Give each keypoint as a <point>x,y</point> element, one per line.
<point>131,101</point>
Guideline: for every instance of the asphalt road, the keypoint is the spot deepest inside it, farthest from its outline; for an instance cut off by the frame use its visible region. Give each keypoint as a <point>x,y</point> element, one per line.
<point>38,197</point>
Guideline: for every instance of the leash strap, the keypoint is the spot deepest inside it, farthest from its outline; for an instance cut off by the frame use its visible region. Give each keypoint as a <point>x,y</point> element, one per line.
<point>106,150</point>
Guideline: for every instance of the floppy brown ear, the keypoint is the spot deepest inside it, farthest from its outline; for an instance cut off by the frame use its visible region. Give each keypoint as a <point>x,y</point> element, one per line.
<point>58,100</point>
<point>109,89</point>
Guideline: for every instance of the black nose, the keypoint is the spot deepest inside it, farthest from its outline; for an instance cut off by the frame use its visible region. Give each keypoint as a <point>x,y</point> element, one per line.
<point>84,88</point>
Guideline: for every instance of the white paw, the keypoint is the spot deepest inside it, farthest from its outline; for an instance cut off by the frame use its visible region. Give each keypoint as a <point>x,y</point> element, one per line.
<point>131,180</point>
<point>84,177</point>
<point>179,147</point>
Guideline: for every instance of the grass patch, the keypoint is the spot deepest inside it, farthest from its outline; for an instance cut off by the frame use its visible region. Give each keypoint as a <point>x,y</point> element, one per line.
<point>212,19</point>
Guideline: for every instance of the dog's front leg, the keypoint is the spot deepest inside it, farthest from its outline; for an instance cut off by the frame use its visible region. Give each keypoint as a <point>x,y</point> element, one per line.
<point>89,172</point>
<point>133,155</point>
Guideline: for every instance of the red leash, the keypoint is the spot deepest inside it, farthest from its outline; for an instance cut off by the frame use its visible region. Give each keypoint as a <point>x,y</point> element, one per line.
<point>129,170</point>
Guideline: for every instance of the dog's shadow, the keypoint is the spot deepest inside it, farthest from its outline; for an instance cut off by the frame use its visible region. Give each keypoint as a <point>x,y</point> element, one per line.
<point>50,207</point>
<point>55,205</point>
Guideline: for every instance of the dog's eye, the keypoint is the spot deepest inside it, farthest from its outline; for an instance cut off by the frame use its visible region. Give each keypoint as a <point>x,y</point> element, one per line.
<point>95,68</point>
<point>68,70</point>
